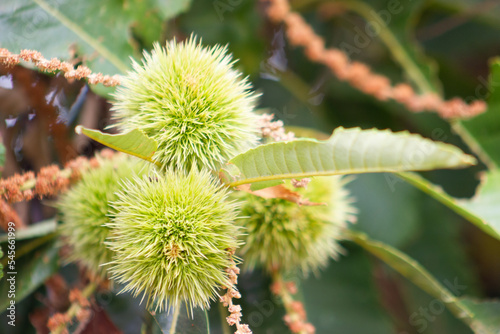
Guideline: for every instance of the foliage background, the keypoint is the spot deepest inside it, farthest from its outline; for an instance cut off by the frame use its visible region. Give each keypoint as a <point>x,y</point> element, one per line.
<point>451,41</point>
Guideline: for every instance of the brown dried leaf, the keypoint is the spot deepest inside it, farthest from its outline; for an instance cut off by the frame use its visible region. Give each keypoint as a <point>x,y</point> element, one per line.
<point>281,192</point>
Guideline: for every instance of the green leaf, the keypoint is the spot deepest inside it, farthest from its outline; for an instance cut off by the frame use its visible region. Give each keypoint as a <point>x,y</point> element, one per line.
<point>180,320</point>
<point>134,142</point>
<point>482,210</point>
<point>172,8</point>
<point>347,151</point>
<point>149,18</point>
<point>486,315</point>
<point>31,272</point>
<point>106,34</point>
<point>36,230</point>
<point>482,132</point>
<point>482,319</point>
<point>486,203</point>
<point>93,27</point>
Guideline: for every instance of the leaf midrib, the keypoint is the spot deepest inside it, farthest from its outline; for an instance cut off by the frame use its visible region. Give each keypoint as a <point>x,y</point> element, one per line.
<point>94,43</point>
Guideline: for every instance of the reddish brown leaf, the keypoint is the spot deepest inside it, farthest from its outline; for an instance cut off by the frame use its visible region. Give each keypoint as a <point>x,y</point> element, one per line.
<point>279,191</point>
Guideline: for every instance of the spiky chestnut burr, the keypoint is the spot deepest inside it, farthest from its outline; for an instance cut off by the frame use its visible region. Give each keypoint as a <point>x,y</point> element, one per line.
<point>85,209</point>
<point>283,236</point>
<point>171,237</point>
<point>191,101</point>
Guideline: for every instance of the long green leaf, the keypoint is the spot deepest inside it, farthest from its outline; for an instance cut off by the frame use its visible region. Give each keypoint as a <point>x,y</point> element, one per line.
<point>134,142</point>
<point>30,272</point>
<point>36,230</point>
<point>347,151</point>
<point>483,210</point>
<point>482,317</point>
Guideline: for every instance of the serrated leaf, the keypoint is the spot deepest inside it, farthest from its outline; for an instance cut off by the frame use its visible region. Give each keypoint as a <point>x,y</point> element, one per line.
<point>482,210</point>
<point>482,132</point>
<point>134,142</point>
<point>481,317</point>
<point>347,151</point>
<point>182,321</point>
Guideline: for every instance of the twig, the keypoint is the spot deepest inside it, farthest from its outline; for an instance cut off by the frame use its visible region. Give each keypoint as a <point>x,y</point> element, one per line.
<point>80,308</point>
<point>175,319</point>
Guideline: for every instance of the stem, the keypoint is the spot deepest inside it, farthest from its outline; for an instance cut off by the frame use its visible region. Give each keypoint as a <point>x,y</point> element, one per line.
<point>225,326</point>
<point>75,307</point>
<point>30,184</point>
<point>175,318</point>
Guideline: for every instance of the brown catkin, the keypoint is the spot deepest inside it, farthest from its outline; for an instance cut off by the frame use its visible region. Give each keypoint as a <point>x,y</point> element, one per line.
<point>50,180</point>
<point>81,72</point>
<point>360,75</point>
<point>235,315</point>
